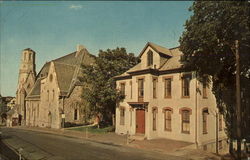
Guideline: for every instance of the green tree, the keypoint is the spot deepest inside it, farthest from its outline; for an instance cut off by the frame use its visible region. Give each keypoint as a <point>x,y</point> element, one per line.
<point>100,92</point>
<point>208,44</point>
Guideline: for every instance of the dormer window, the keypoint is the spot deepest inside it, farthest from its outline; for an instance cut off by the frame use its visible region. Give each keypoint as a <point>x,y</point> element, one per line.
<point>150,58</point>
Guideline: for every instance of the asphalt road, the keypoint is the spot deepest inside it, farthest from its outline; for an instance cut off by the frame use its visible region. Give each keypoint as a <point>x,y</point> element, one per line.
<point>6,153</point>
<point>37,145</point>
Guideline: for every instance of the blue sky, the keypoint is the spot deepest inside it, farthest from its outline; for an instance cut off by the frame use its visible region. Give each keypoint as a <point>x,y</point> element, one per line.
<point>53,29</point>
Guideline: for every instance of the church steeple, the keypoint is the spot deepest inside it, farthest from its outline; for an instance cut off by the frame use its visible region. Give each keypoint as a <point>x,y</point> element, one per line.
<point>26,80</point>
<point>28,65</point>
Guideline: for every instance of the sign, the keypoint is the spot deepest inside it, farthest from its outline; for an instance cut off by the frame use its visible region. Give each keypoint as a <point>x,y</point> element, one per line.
<point>63,115</point>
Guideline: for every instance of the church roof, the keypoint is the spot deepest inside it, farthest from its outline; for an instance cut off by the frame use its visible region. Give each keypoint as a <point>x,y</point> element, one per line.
<point>67,71</point>
<point>35,91</point>
<point>44,71</point>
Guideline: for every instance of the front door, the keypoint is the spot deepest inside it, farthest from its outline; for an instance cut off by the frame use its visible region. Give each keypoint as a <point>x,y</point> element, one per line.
<point>140,121</point>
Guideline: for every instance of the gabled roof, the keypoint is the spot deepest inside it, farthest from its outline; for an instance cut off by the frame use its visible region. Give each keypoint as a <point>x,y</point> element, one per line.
<point>44,71</point>
<point>64,73</point>
<point>159,49</point>
<point>35,91</point>
<point>67,70</point>
<point>170,63</point>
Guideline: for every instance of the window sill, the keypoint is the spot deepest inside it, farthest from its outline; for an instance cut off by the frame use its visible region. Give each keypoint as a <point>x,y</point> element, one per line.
<point>168,97</point>
<point>185,96</point>
<point>168,130</point>
<point>205,132</point>
<point>204,97</point>
<point>185,132</point>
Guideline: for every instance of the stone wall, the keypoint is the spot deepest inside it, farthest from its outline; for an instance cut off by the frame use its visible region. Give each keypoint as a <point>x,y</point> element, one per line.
<point>73,104</point>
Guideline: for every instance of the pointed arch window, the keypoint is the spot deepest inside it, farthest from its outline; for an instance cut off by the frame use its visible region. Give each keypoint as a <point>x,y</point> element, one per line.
<point>76,114</point>
<point>29,56</point>
<point>204,120</point>
<point>50,77</point>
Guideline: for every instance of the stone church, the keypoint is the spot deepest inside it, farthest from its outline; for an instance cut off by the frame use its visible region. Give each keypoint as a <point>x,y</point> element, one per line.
<point>52,97</point>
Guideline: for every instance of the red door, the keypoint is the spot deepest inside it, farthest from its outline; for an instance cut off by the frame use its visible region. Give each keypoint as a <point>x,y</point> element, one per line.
<point>140,121</point>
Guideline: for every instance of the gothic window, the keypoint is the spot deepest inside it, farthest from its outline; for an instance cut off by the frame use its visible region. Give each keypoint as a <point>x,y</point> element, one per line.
<point>29,56</point>
<point>204,90</point>
<point>204,120</point>
<point>150,58</point>
<point>75,114</point>
<point>50,77</point>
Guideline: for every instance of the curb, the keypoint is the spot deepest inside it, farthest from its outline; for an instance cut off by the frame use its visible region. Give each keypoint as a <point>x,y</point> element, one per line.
<point>13,149</point>
<point>71,136</point>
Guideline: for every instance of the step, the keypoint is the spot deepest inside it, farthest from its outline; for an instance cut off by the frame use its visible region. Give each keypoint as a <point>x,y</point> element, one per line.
<point>139,137</point>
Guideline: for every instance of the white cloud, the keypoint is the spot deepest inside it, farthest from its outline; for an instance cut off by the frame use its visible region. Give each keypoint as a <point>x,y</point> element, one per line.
<point>75,7</point>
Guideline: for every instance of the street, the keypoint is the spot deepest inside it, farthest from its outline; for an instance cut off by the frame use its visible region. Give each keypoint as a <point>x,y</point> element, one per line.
<point>37,145</point>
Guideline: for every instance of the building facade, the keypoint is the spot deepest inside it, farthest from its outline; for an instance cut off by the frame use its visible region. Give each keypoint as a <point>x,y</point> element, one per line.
<point>54,97</point>
<point>164,101</point>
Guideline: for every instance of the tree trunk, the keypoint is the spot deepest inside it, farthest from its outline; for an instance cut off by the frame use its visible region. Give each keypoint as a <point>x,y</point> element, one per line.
<point>231,147</point>
<point>113,119</point>
<point>238,100</point>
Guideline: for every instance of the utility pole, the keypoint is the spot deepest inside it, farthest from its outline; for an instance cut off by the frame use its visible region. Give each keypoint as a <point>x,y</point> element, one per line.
<point>217,136</point>
<point>238,100</point>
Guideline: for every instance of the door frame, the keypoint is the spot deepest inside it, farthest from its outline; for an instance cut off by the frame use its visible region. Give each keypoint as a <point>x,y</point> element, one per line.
<point>136,121</point>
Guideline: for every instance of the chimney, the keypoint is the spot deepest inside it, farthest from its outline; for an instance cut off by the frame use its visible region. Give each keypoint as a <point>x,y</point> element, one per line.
<point>79,47</point>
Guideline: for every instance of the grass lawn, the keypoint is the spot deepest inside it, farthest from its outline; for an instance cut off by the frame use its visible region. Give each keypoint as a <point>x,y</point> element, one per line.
<point>93,129</point>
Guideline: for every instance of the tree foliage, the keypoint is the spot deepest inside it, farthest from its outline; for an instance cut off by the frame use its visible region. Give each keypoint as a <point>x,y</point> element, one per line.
<point>208,44</point>
<point>100,92</point>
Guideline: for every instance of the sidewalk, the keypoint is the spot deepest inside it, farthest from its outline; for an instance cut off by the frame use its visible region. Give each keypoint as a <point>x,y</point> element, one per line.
<point>165,146</point>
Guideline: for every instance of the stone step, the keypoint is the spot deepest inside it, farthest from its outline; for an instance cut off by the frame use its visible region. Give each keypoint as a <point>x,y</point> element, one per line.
<point>139,137</point>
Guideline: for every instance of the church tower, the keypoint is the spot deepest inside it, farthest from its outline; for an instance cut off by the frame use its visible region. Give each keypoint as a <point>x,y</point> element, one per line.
<point>26,80</point>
